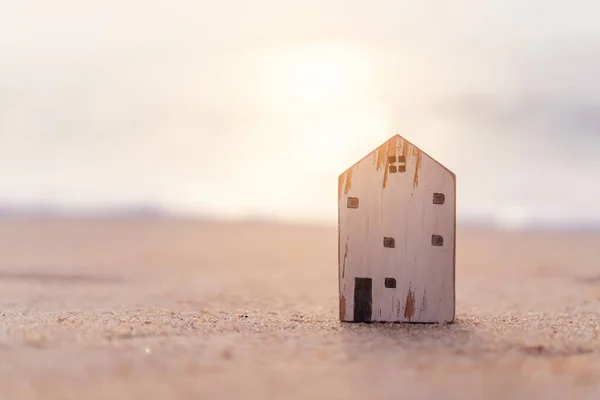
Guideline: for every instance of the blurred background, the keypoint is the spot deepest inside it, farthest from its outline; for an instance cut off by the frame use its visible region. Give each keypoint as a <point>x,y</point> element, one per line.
<point>250,110</point>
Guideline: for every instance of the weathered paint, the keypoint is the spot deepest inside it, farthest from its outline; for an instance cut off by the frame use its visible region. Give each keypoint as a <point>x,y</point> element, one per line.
<point>345,258</point>
<point>424,302</point>
<point>348,184</point>
<point>342,308</point>
<point>409,309</point>
<point>345,183</point>
<point>400,206</point>
<point>389,149</point>
<point>405,148</point>
<point>417,167</point>
<point>382,154</point>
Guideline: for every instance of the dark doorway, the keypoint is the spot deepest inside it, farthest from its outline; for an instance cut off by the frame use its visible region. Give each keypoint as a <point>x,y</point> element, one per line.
<point>363,291</point>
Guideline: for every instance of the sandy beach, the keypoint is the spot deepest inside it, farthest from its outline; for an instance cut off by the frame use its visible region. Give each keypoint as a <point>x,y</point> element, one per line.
<point>175,309</point>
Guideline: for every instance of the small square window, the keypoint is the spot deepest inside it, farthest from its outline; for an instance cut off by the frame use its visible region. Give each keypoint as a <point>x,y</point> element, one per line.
<point>392,159</point>
<point>439,198</point>
<point>390,283</point>
<point>352,202</point>
<point>393,169</point>
<point>389,242</point>
<point>437,240</point>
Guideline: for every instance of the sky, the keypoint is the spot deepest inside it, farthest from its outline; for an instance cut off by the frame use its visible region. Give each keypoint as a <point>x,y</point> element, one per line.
<point>252,109</point>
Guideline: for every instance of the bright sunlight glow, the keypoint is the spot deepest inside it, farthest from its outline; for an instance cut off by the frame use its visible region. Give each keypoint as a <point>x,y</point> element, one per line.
<point>321,94</point>
<point>316,75</point>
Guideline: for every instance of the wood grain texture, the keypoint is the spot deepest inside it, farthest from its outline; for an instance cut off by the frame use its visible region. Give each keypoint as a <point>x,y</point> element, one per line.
<point>399,205</point>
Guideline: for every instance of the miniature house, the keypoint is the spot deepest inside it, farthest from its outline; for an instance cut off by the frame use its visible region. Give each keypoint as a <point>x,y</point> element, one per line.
<point>397,224</point>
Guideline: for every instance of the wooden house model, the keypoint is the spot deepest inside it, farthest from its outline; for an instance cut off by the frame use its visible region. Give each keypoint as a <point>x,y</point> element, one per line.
<point>397,237</point>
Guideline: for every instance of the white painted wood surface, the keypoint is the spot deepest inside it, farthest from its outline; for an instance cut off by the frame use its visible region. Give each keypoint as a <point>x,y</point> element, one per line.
<point>398,205</point>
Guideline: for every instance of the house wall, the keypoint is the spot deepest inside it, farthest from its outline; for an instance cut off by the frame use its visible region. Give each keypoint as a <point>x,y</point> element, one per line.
<point>398,205</point>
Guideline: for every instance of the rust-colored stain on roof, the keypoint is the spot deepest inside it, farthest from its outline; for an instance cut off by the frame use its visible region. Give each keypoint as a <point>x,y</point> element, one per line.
<point>345,183</point>
<point>406,149</point>
<point>381,160</point>
<point>409,309</point>
<point>383,155</point>
<point>348,185</point>
<point>419,159</point>
<point>385,173</point>
<point>396,146</point>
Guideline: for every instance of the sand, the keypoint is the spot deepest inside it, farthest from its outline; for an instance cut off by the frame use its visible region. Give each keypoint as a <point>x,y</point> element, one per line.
<point>166,309</point>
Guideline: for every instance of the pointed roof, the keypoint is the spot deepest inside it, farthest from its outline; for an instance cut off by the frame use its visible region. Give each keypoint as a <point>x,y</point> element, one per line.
<point>406,145</point>
<point>396,144</point>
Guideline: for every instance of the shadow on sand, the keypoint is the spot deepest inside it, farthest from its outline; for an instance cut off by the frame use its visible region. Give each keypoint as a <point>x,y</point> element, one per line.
<point>455,335</point>
<point>463,337</point>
